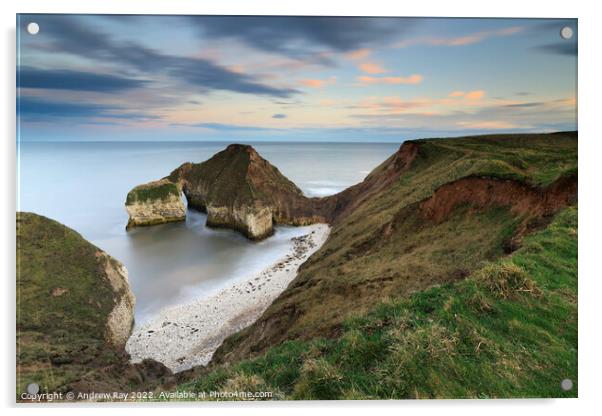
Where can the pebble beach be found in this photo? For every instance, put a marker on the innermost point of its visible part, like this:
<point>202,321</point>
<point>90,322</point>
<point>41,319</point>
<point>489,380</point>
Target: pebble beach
<point>185,336</point>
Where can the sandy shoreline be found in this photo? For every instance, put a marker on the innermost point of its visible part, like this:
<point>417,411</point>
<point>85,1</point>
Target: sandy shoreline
<point>187,335</point>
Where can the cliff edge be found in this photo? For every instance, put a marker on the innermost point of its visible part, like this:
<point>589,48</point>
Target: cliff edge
<point>75,312</point>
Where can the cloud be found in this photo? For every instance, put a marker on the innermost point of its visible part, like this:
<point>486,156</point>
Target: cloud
<point>470,95</point>
<point>312,83</point>
<point>222,127</point>
<point>550,29</point>
<point>488,125</point>
<point>63,79</point>
<point>67,34</point>
<point>566,48</point>
<point>358,54</point>
<point>552,115</point>
<point>412,79</point>
<point>317,83</point>
<point>389,105</point>
<point>279,115</point>
<point>372,68</point>
<point>460,40</point>
<point>33,107</point>
<point>525,105</point>
<point>397,104</point>
<point>474,95</point>
<point>36,109</point>
<point>297,37</point>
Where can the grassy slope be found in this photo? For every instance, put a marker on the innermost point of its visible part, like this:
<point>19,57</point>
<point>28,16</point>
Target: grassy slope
<point>57,336</point>
<point>152,192</point>
<point>356,268</point>
<point>63,300</point>
<point>508,330</point>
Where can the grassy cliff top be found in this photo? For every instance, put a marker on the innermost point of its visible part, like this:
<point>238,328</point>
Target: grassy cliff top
<point>61,281</point>
<point>63,300</point>
<point>158,190</point>
<point>509,330</point>
<point>537,159</point>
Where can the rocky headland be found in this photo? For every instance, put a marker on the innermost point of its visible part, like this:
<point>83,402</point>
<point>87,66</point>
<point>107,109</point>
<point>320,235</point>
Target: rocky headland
<point>75,313</point>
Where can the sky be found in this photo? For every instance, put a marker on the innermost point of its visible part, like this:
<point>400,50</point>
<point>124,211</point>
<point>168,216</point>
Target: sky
<point>248,78</point>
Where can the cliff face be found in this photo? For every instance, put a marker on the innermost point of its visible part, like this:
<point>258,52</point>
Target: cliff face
<point>153,203</point>
<point>75,312</point>
<point>120,320</point>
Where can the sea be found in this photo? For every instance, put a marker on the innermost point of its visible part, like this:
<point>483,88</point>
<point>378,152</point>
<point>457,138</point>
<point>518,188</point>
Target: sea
<point>84,185</point>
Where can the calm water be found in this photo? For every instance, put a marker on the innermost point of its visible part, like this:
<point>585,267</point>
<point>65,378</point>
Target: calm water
<point>83,185</point>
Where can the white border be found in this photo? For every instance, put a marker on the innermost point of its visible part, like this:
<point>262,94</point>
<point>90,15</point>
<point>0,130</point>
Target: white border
<point>590,151</point>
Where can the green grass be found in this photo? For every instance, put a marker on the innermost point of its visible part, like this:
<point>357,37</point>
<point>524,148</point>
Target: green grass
<point>538,159</point>
<point>507,330</point>
<point>67,329</point>
<point>151,192</point>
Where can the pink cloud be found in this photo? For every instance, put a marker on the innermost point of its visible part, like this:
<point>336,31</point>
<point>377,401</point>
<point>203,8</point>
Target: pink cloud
<point>317,83</point>
<point>461,40</point>
<point>392,104</point>
<point>475,95</point>
<point>488,124</point>
<point>358,54</point>
<point>372,68</point>
<point>412,79</point>
<point>470,95</point>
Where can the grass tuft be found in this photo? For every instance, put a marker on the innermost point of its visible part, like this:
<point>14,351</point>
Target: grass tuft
<point>505,280</point>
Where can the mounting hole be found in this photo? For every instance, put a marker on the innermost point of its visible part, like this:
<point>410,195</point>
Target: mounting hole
<point>566,32</point>
<point>33,28</point>
<point>33,388</point>
<point>566,384</point>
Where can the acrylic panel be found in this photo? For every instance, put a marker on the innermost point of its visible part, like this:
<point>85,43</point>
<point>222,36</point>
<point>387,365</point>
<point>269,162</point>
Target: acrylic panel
<point>295,208</point>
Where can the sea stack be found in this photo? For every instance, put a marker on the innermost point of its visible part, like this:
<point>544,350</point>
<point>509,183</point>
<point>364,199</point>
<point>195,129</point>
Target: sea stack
<point>240,190</point>
<point>153,203</point>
